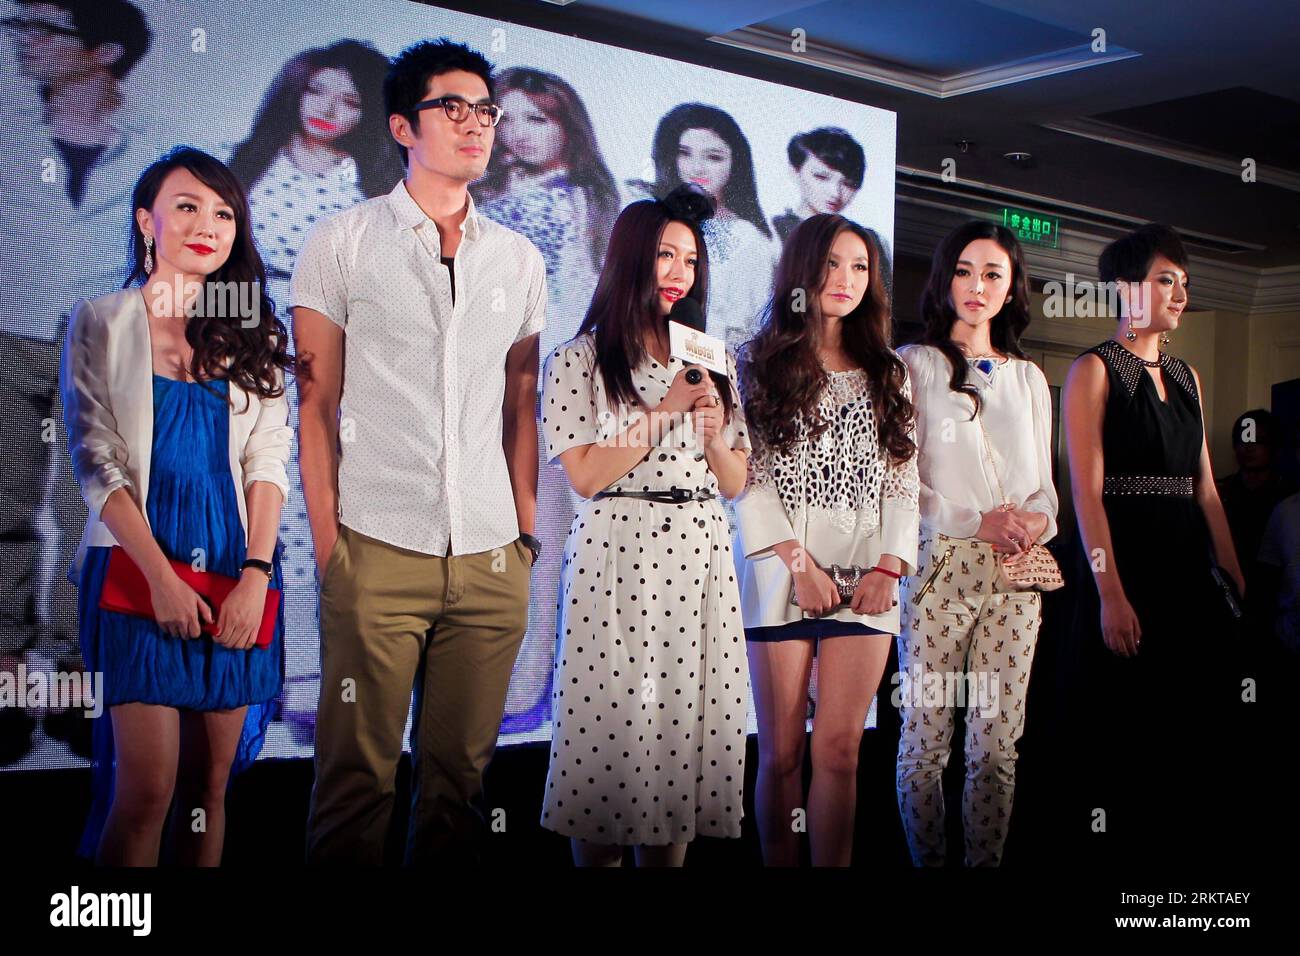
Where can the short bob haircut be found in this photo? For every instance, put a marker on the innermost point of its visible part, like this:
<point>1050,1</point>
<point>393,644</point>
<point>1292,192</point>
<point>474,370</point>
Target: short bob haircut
<point>1129,258</point>
<point>834,147</point>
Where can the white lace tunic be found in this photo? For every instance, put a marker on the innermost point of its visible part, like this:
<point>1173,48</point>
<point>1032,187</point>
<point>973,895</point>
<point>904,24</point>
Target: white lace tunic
<point>839,495</point>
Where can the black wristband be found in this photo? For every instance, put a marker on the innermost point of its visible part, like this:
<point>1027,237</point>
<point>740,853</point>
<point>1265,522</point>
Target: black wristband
<point>264,566</point>
<point>532,544</point>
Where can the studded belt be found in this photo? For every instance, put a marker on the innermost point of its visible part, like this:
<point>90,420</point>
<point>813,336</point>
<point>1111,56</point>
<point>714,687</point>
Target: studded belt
<point>1173,486</point>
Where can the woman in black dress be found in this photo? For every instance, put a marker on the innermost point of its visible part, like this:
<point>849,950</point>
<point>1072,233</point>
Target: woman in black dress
<point>1154,638</point>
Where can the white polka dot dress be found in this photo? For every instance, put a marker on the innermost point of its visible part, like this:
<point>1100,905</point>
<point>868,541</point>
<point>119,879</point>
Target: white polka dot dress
<point>651,680</point>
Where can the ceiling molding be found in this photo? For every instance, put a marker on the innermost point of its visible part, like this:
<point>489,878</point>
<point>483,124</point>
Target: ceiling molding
<point>769,42</point>
<point>921,222</point>
<point>1113,135</point>
<point>912,178</point>
<point>1278,290</point>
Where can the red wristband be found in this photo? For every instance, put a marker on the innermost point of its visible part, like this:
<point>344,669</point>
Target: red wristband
<point>893,574</point>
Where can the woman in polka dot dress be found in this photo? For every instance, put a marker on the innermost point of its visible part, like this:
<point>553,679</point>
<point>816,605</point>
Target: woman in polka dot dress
<point>651,681</point>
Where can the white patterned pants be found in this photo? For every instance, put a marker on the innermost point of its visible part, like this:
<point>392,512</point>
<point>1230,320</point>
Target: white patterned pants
<point>961,644</point>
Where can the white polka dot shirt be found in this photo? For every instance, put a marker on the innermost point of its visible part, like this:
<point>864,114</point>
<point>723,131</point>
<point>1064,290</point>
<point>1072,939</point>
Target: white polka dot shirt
<point>421,464</point>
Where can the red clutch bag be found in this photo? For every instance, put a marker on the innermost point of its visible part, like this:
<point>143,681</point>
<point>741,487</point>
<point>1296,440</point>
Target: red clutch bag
<point>126,591</point>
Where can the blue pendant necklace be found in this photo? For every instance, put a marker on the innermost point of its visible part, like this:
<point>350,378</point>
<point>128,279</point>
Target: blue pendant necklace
<point>986,364</point>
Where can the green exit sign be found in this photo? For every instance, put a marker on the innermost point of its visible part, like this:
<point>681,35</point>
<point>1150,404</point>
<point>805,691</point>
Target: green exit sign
<point>1032,228</point>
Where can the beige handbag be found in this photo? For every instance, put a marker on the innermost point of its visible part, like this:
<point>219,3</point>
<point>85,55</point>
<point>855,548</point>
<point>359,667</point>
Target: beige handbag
<point>1033,569</point>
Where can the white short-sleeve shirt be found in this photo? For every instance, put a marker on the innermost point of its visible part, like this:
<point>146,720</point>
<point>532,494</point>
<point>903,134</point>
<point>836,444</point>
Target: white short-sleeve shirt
<point>421,464</point>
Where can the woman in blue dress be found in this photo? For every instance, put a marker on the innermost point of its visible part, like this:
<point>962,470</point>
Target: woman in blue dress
<point>174,398</point>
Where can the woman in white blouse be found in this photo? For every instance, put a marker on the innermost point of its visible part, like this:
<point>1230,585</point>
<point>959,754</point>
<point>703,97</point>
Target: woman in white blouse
<point>984,425</point>
<point>832,481</point>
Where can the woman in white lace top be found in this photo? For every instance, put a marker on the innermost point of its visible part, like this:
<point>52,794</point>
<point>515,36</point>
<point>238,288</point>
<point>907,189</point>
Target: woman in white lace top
<point>832,481</point>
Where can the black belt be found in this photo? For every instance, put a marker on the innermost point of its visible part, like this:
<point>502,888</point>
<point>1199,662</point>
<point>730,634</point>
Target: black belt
<point>673,496</point>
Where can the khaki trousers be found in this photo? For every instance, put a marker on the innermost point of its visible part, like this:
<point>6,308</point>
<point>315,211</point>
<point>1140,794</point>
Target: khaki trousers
<point>394,620</point>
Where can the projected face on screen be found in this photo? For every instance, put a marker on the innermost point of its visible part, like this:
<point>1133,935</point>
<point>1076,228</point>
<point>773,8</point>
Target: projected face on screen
<point>704,158</point>
<point>292,99</point>
<point>828,165</point>
<point>823,189</point>
<point>330,107</point>
<point>91,45</point>
<point>534,139</point>
<point>49,45</point>
<point>322,115</point>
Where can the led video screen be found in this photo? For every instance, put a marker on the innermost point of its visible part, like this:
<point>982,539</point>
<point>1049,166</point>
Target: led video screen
<point>288,93</point>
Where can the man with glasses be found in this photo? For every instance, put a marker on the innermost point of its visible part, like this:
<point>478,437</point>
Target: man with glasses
<point>69,154</point>
<point>419,321</point>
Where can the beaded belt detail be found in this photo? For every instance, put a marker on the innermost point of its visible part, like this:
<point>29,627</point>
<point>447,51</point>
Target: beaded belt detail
<point>1176,486</point>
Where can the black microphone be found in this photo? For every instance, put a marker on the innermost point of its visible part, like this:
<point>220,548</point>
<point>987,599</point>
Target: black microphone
<point>687,312</point>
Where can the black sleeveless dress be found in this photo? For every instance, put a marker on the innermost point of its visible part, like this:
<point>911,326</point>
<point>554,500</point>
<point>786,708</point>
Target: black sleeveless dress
<point>1155,730</point>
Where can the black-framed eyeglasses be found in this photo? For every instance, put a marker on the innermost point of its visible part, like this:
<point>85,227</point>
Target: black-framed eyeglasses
<point>457,109</point>
<point>23,25</point>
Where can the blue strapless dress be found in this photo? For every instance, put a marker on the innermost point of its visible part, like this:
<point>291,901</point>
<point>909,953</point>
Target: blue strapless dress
<point>192,507</point>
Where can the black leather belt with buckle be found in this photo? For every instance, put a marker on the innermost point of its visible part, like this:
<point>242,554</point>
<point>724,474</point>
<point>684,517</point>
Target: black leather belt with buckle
<point>671,496</point>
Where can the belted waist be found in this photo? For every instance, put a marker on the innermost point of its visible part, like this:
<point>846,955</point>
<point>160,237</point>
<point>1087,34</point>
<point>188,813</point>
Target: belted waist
<point>669,496</point>
<point>1178,486</point>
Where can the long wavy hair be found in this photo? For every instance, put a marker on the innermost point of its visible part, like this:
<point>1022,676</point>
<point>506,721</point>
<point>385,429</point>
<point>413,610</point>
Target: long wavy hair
<point>368,143</point>
<point>740,194</point>
<point>223,346</point>
<point>782,377</point>
<point>937,312</point>
<point>623,307</point>
<point>586,169</point>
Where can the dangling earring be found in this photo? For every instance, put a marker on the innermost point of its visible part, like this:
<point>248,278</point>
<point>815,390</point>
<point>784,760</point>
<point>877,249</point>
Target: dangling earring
<point>1164,340</point>
<point>148,255</point>
<point>1130,334</point>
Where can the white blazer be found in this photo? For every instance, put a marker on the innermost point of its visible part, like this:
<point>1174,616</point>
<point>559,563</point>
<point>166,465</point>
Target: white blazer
<point>106,380</point>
